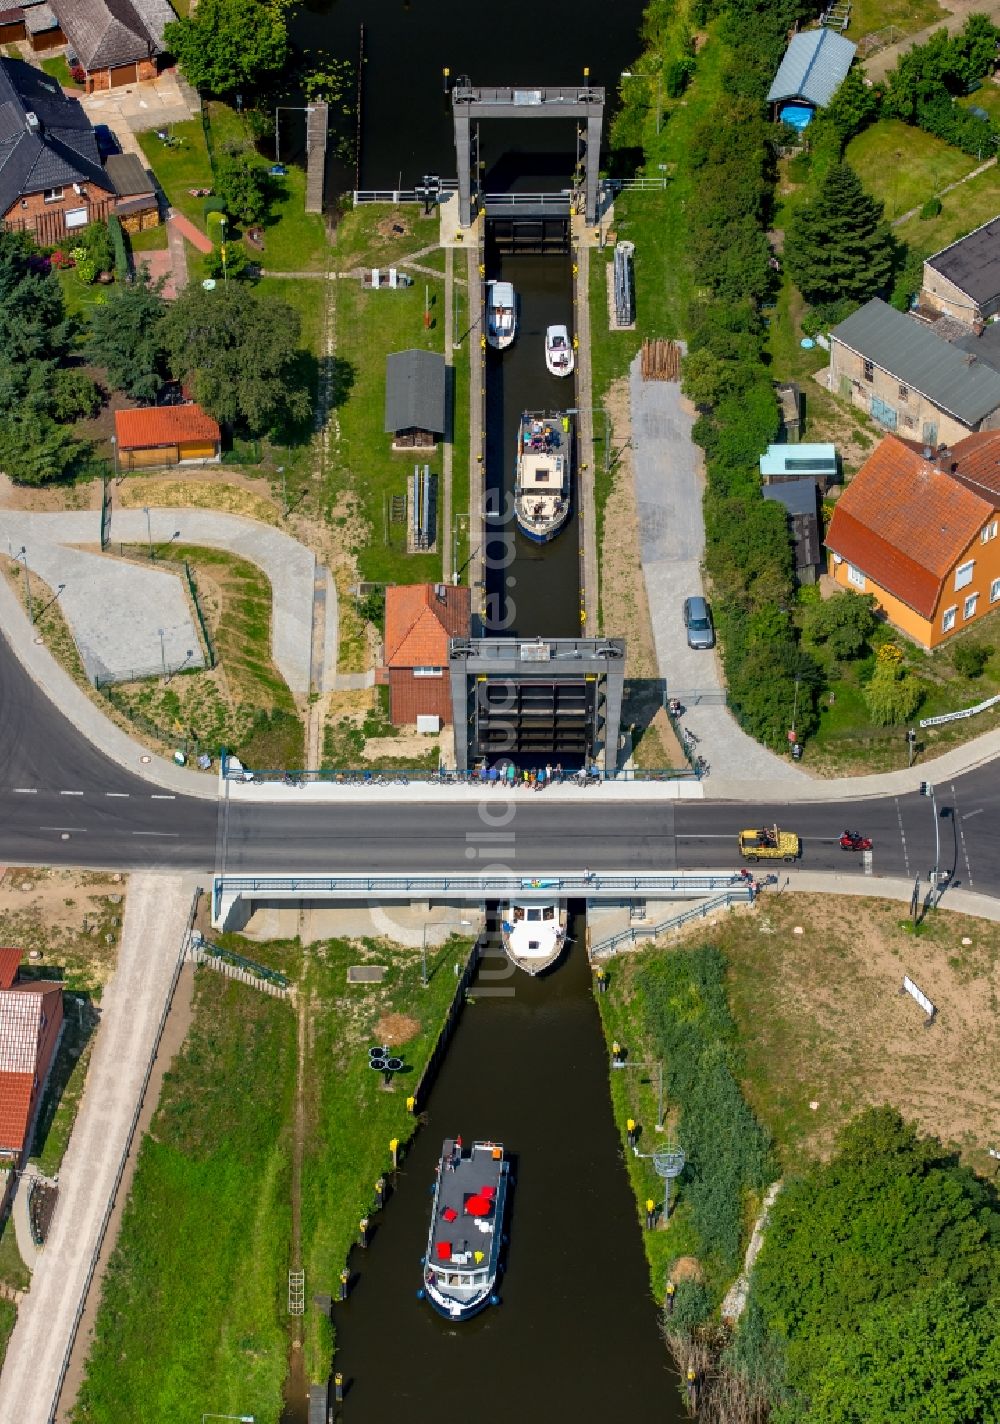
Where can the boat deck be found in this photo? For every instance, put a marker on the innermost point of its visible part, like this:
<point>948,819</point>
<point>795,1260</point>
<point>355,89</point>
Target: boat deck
<point>464,1236</point>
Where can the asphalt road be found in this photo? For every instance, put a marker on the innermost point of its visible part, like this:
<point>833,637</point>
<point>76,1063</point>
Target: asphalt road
<point>62,802</point>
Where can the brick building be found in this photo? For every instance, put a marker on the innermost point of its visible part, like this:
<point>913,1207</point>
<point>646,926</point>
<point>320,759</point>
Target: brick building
<point>963,279</point>
<point>51,179</point>
<point>115,41</point>
<point>31,1015</point>
<point>910,379</point>
<point>922,535</point>
<point>419,621</point>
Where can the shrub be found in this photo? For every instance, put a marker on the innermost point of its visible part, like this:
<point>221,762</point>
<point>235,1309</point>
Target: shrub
<point>969,659</point>
<point>692,1305</point>
<point>892,695</point>
<point>931,208</point>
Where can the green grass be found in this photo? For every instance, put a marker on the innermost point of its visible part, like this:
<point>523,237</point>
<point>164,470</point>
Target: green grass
<point>902,166</point>
<point>13,1271</point>
<point>191,1316</point>
<point>64,1088</point>
<point>352,1117</point>
<point>967,207</point>
<point>181,168</point>
<point>57,67</point>
<point>154,239</point>
<point>8,1319</point>
<point>867,16</point>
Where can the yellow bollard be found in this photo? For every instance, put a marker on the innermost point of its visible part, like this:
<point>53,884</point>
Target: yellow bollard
<point>394,1150</point>
<point>411,1105</point>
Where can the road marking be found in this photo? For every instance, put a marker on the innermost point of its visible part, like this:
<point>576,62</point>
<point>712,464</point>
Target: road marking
<point>62,828</point>
<point>961,833</point>
<point>172,834</point>
<point>26,790</point>
<point>902,836</point>
<point>71,793</point>
<point>969,814</point>
<point>156,797</point>
<point>126,794</point>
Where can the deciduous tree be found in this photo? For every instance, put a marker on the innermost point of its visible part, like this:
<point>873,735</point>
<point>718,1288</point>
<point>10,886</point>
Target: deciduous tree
<point>225,45</point>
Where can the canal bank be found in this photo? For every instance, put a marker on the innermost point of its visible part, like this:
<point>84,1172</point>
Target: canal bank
<point>576,1324</point>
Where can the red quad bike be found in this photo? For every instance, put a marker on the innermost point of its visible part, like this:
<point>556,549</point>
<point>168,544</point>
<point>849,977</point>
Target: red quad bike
<point>852,840</point>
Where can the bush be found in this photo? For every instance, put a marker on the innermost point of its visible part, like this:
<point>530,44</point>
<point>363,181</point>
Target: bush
<point>692,1305</point>
<point>932,208</point>
<point>678,77</point>
<point>969,659</point>
<point>892,695</point>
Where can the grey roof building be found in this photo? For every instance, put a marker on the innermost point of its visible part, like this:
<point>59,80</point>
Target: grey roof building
<point>971,266</point>
<point>109,33</point>
<point>46,139</point>
<point>415,393</point>
<point>953,380</point>
<point>813,68</point>
<point>800,502</point>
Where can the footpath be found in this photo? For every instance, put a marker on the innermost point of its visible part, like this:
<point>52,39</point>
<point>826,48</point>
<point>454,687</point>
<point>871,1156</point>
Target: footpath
<point>156,912</point>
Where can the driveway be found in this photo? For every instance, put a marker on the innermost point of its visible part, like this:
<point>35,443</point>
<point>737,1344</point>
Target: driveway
<point>668,489</point>
<point>156,911</point>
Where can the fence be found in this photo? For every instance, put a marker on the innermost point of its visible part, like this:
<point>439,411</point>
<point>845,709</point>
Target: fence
<point>145,674</point>
<point>186,742</point>
<point>402,776</point>
<point>193,590</point>
<point>611,945</point>
<point>235,966</point>
<point>130,1135</point>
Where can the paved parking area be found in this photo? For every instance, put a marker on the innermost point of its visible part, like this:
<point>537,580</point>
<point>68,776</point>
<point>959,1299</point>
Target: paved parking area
<point>156,912</point>
<point>669,488</point>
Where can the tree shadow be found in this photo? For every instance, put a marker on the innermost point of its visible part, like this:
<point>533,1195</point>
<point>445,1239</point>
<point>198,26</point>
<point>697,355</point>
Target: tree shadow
<point>80,1022</point>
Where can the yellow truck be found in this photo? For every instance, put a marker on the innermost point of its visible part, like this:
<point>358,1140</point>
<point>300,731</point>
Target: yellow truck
<point>769,843</point>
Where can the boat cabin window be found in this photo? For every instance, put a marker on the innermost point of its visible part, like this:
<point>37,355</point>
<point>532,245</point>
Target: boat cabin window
<point>549,913</point>
<point>534,944</point>
<point>534,914</point>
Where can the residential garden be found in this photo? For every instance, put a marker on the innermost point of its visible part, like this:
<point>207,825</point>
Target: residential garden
<point>193,1302</point>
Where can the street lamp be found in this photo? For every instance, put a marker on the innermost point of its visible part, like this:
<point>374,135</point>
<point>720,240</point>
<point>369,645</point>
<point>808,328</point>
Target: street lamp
<point>927,789</point>
<point>225,271</point>
<point>456,522</point>
<point>597,410</point>
<point>658,1065</point>
<point>284,490</point>
<point>180,666</point>
<point>163,653</point>
<point>149,533</point>
<point>630,74</point>
<point>435,924</point>
<point>27,583</point>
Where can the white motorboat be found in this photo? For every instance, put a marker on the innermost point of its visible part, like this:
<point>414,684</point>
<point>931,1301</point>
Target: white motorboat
<point>533,936</point>
<point>559,355</point>
<point>501,314</point>
<point>542,475</point>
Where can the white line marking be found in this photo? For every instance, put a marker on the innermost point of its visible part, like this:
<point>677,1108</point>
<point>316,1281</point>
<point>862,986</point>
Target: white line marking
<point>172,834</point>
<point>26,790</point>
<point>969,814</point>
<point>155,797</point>
<point>126,794</point>
<point>902,837</point>
<point>71,793</point>
<point>961,835</point>
<point>62,828</point>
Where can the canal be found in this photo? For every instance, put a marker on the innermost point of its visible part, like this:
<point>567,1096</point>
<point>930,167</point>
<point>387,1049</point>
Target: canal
<point>576,1334</point>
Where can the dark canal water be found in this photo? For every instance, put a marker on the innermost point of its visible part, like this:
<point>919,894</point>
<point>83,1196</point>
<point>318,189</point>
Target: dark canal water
<point>575,1336</point>
<point>406,123</point>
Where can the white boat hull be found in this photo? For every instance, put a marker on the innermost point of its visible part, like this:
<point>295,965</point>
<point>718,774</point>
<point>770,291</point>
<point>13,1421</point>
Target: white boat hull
<point>533,946</point>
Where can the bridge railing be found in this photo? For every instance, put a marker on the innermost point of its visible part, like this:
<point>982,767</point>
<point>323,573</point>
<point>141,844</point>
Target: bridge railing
<point>741,895</point>
<point>403,776</point>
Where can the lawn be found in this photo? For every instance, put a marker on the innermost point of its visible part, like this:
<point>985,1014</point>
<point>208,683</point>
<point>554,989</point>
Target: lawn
<point>59,70</point>
<point>193,1311</point>
<point>154,239</point>
<point>191,1316</point>
<point>822,1022</point>
<point>370,325</point>
<point>902,166</point>
<point>8,1319</point>
<point>181,167</point>
<point>223,706</point>
<point>867,16</point>
<point>967,207</point>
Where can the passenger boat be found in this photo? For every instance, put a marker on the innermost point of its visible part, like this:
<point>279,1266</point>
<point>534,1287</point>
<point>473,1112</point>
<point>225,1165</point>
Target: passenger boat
<point>542,475</point>
<point>466,1234</point>
<point>501,314</point>
<point>533,936</point>
<point>559,356</point>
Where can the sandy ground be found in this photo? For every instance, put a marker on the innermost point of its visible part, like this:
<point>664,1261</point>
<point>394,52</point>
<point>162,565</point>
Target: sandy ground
<point>825,1021</point>
<point>624,606</point>
<point>62,920</point>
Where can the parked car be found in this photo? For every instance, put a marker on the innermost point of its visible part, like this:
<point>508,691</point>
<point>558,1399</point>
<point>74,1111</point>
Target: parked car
<point>107,143</point>
<point>698,623</point>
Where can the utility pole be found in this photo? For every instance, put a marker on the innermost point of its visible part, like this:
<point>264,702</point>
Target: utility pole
<point>927,789</point>
<point>27,585</point>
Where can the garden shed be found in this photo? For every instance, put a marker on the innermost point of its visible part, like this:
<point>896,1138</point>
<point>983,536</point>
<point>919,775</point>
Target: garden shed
<point>415,398</point>
<point>814,66</point>
<point>165,435</point>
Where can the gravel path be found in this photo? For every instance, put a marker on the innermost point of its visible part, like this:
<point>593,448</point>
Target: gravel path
<point>156,912</point>
<point>288,564</point>
<point>668,490</point>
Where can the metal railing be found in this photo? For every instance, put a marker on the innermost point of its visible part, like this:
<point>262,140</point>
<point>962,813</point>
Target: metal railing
<point>742,895</point>
<point>112,1197</point>
<point>202,951</point>
<point>403,776</point>
<point>143,674</point>
<point>529,97</point>
<point>404,195</point>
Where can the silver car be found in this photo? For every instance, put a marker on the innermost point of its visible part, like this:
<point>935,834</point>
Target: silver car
<point>698,623</point>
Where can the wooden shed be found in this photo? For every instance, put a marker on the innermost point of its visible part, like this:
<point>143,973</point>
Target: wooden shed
<point>166,435</point>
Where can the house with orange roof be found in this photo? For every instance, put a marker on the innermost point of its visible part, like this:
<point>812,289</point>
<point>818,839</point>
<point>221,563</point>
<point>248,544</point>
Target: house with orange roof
<point>420,620</point>
<point>919,530</point>
<point>165,435</point>
<point>31,1017</point>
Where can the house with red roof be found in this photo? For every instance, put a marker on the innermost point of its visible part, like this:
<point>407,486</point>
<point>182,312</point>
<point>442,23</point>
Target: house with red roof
<point>420,621</point>
<point>31,1016</point>
<point>919,529</point>
<point>165,435</point>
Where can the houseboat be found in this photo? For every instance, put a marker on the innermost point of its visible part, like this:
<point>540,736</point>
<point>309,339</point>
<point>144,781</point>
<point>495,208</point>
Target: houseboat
<point>466,1232</point>
<point>501,314</point>
<point>559,355</point>
<point>533,936</point>
<point>542,475</point>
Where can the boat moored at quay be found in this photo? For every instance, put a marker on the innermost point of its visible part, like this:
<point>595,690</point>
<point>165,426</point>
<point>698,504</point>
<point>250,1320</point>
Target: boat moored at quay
<point>542,475</point>
<point>466,1230</point>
